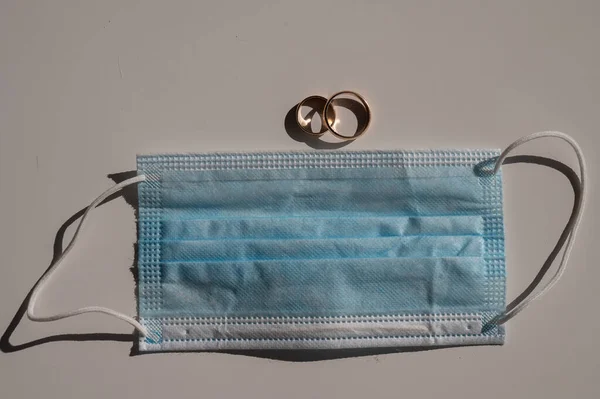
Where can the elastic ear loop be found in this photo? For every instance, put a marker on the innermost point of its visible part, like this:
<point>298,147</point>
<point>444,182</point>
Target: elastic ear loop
<point>48,275</point>
<point>570,229</point>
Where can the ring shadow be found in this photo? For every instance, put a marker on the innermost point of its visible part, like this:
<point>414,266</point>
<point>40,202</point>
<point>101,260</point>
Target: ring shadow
<point>297,134</point>
<point>130,195</point>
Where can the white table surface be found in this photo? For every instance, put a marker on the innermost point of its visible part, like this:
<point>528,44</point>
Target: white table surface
<point>86,85</point>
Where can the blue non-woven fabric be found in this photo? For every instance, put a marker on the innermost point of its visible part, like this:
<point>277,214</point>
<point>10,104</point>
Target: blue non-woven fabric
<point>398,236</point>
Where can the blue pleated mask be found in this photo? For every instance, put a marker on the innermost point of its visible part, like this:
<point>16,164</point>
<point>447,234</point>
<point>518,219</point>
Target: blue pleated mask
<point>321,250</point>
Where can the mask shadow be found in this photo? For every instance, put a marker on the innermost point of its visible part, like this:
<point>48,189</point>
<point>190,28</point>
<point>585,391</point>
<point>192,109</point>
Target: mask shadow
<point>573,178</point>
<point>130,196</point>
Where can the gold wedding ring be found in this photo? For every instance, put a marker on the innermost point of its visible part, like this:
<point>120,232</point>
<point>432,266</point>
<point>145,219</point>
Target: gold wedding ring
<point>318,105</point>
<point>360,130</point>
<point>325,109</point>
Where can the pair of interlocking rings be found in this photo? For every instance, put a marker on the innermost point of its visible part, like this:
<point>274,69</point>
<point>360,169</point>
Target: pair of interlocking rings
<point>328,117</point>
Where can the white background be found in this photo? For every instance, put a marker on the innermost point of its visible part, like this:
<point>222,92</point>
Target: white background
<point>86,85</point>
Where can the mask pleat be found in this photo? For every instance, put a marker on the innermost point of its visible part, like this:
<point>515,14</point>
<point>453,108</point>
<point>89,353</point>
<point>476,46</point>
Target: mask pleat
<point>291,193</point>
<point>330,248</point>
<point>314,287</point>
<point>319,227</point>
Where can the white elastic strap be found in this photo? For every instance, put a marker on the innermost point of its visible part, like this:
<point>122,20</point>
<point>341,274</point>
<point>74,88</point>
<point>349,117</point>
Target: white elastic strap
<point>48,275</point>
<point>571,230</point>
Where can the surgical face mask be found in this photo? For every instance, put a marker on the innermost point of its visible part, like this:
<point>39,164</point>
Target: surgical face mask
<point>321,250</point>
